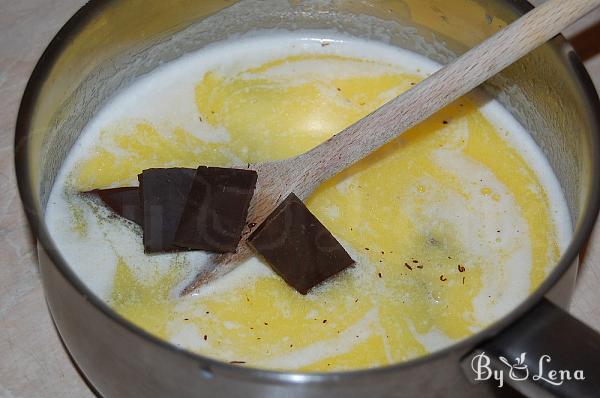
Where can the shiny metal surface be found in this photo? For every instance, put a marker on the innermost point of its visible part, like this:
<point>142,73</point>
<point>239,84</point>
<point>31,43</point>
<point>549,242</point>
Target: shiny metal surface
<point>110,43</point>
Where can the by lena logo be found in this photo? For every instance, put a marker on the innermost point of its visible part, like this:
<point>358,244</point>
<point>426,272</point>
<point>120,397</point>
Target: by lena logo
<point>518,367</point>
<point>519,370</point>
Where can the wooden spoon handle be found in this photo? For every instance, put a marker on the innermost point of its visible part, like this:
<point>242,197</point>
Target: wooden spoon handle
<point>448,84</point>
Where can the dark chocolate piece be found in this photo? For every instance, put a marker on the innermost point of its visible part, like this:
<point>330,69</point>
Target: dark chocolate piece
<point>298,247</point>
<point>123,201</point>
<point>216,209</point>
<point>163,194</point>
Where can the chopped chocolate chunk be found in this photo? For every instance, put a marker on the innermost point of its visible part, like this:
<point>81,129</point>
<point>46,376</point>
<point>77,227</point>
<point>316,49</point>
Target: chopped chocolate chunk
<point>215,213</point>
<point>298,247</point>
<point>125,202</point>
<point>163,194</point>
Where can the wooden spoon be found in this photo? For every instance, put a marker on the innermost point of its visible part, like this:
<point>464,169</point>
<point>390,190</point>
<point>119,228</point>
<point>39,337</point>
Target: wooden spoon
<point>304,173</point>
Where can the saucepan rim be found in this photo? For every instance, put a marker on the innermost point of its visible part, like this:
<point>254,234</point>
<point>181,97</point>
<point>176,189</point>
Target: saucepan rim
<point>22,162</point>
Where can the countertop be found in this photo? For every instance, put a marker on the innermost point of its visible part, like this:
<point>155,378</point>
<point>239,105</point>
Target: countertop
<point>33,363</point>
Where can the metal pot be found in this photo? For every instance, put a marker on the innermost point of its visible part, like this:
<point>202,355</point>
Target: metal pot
<point>109,43</point>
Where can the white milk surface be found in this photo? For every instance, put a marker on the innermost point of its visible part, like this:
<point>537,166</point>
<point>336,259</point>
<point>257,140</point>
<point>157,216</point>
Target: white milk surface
<point>166,98</point>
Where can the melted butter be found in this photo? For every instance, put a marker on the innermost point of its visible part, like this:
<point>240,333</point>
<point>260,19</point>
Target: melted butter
<point>140,147</point>
<point>403,212</point>
<point>146,301</point>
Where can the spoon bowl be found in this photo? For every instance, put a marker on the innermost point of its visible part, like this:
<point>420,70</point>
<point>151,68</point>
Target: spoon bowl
<point>303,174</point>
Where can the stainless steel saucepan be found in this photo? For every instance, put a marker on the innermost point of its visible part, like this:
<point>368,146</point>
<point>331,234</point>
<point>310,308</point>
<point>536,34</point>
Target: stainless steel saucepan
<point>109,43</point>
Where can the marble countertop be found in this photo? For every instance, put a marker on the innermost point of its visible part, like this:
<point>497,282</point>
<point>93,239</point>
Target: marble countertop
<point>33,363</point>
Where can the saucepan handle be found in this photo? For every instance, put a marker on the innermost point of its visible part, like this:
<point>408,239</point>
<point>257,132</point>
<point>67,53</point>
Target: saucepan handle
<point>547,353</point>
